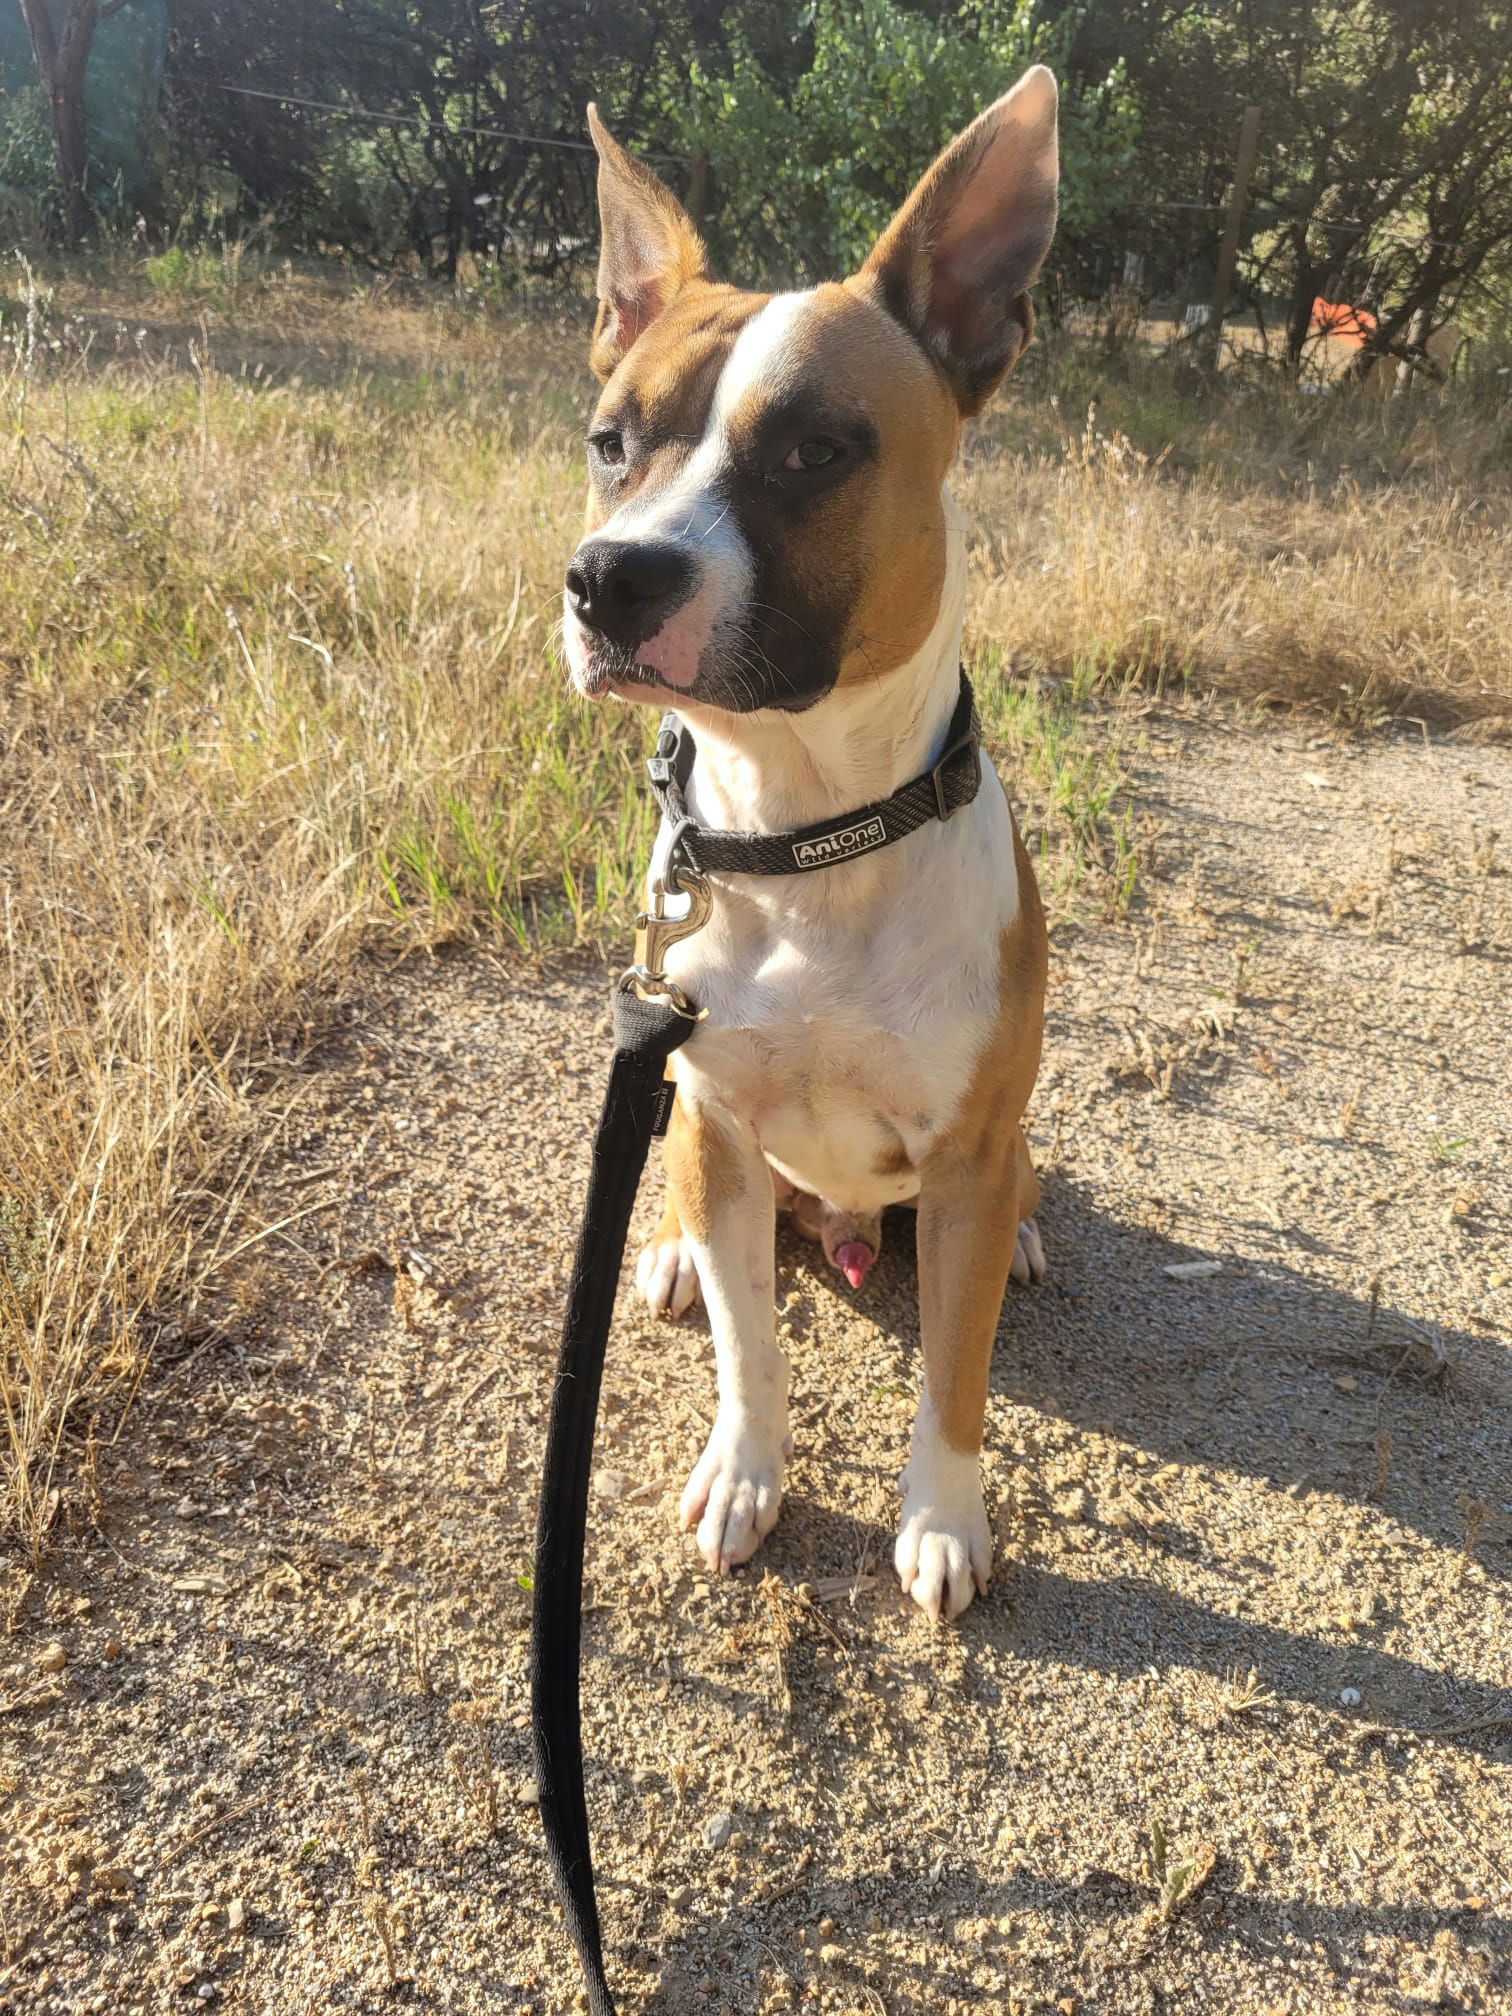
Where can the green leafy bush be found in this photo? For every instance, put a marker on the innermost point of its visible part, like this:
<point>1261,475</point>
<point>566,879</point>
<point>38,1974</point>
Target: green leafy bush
<point>26,154</point>
<point>170,272</point>
<point>803,178</point>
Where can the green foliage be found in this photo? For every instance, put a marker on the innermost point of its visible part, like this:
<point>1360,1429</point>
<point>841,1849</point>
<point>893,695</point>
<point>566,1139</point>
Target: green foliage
<point>24,1235</point>
<point>1075,793</point>
<point>171,272</point>
<point>1384,170</point>
<point>26,153</point>
<point>1383,176</point>
<point>808,170</point>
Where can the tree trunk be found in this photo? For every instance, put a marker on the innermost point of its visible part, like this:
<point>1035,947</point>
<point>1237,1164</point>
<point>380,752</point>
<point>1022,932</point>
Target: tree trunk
<point>60,67</point>
<point>1417,337</point>
<point>1299,314</point>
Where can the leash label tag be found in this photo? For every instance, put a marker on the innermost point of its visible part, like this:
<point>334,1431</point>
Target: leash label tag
<point>666,1099</point>
<point>840,845</point>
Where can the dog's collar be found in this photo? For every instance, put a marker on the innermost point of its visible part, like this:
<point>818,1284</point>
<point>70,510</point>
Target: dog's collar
<point>936,793</point>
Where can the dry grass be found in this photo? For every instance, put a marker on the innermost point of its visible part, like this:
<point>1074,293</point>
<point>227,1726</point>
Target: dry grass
<point>1379,586</point>
<point>279,568</point>
<point>274,675</point>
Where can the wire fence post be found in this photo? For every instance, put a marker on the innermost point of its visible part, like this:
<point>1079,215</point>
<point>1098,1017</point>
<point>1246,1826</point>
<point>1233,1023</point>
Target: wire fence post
<point>1244,167</point>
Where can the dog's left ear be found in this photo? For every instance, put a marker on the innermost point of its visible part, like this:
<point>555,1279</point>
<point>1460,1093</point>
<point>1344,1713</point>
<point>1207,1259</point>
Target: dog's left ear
<point>648,249</point>
<point>956,263</point>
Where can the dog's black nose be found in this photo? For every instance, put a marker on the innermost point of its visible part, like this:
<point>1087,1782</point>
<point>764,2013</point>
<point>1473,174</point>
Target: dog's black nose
<point>627,588</point>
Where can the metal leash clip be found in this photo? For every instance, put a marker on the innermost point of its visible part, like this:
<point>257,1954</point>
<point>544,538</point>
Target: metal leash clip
<point>657,930</point>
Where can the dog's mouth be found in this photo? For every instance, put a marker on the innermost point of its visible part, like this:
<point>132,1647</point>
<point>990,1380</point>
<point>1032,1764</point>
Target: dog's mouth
<point>735,675</point>
<point>611,671</point>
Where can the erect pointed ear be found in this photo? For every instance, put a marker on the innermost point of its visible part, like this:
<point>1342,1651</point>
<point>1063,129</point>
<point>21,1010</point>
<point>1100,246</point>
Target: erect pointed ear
<point>648,249</point>
<point>955,264</point>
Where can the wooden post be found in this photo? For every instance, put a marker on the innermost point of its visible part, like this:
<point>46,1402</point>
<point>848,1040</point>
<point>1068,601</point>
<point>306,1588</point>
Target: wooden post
<point>1244,167</point>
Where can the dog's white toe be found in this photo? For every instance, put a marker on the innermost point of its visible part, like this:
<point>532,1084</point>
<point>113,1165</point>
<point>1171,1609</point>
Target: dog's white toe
<point>734,1494</point>
<point>944,1550</point>
<point>666,1277</point>
<point>1028,1255</point>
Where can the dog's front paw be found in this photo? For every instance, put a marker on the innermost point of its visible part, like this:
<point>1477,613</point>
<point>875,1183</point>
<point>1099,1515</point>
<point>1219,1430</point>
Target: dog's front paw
<point>734,1493</point>
<point>944,1550</point>
<point>666,1276</point>
<point>1028,1255</point>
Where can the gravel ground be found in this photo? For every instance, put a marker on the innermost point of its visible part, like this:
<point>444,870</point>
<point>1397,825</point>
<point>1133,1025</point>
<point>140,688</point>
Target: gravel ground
<point>1233,1726</point>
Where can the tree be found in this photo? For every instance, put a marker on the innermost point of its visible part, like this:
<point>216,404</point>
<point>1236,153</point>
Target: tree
<point>811,158</point>
<point>1385,167</point>
<point>62,62</point>
<point>468,117</point>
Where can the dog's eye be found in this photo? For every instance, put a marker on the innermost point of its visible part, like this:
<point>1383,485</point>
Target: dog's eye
<point>812,455</point>
<point>609,447</point>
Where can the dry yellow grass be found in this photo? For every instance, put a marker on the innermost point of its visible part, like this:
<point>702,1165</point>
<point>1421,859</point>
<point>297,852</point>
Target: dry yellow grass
<point>279,571</point>
<point>1370,602</point>
<point>274,676</point>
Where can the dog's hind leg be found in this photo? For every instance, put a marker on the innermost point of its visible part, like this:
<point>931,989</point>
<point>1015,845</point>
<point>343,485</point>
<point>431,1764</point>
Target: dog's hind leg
<point>1028,1253</point>
<point>665,1273</point>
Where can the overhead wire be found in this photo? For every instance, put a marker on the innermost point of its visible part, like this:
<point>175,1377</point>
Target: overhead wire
<point>361,112</point>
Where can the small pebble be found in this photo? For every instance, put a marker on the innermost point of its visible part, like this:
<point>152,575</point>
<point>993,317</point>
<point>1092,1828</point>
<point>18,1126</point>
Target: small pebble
<point>529,1793</point>
<point>112,1650</point>
<point>236,1915</point>
<point>52,1658</point>
<point>1350,1697</point>
<point>717,1829</point>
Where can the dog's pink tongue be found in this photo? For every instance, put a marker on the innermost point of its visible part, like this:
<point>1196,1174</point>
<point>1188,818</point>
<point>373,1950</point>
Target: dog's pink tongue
<point>853,1259</point>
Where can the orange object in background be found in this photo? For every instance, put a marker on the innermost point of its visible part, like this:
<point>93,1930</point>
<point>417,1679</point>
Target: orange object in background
<point>1343,323</point>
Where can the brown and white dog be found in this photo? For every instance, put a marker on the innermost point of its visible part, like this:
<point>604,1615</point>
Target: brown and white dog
<point>773,552</point>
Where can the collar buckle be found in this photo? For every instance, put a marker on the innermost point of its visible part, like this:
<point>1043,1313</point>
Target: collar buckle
<point>971,740</point>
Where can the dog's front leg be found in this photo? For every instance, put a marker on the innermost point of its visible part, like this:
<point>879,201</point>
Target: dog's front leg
<point>968,1226</point>
<point>722,1187</point>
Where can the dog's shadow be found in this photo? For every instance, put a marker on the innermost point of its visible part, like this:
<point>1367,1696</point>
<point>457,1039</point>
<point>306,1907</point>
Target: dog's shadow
<point>1331,1403</point>
<point>1254,1368</point>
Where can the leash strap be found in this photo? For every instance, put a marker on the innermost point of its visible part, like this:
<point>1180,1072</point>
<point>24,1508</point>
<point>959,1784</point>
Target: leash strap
<point>935,794</point>
<point>646,1032</point>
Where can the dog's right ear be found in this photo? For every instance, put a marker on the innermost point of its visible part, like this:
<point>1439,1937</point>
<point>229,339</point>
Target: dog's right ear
<point>648,249</point>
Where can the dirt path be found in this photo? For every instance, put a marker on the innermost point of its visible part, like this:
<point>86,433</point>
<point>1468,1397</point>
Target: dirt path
<point>291,1726</point>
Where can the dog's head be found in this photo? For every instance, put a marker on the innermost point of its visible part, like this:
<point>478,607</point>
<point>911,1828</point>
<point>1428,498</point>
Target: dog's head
<point>765,519</point>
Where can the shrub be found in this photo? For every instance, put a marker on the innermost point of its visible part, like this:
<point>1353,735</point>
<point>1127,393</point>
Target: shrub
<point>805,180</point>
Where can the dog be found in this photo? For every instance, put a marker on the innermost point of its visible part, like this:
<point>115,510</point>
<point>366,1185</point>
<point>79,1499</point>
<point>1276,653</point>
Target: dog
<point>772,552</point>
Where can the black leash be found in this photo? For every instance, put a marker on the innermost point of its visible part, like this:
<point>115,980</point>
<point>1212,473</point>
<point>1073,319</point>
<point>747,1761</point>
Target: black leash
<point>652,1018</point>
<point>645,1035</point>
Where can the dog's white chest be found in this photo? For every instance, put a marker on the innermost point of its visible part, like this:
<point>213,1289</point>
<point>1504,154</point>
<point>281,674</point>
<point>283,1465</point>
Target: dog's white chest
<point>842,1024</point>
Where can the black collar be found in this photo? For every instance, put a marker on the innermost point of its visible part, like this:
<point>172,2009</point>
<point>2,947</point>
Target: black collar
<point>935,794</point>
